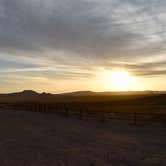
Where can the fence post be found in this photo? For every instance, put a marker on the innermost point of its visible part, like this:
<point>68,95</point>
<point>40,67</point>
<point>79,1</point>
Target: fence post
<point>135,118</point>
<point>66,112</point>
<point>81,114</point>
<point>102,116</point>
<point>38,107</point>
<point>46,108</point>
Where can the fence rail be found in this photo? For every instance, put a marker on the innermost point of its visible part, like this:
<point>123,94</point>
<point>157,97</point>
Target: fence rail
<point>83,112</point>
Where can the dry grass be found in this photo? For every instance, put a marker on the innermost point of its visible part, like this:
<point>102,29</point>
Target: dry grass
<point>36,139</point>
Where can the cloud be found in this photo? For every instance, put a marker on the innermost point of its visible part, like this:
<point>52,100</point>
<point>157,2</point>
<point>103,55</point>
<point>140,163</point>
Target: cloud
<point>83,33</point>
<point>74,26</point>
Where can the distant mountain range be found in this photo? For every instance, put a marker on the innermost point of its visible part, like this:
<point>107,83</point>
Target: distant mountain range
<point>32,93</point>
<point>82,93</point>
<point>83,96</point>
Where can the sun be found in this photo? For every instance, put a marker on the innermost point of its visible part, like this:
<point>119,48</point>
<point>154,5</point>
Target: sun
<point>119,80</point>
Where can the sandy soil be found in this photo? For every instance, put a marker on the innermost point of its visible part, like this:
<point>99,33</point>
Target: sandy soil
<point>36,139</point>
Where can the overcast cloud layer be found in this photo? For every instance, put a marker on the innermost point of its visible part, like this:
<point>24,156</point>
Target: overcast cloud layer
<point>72,38</point>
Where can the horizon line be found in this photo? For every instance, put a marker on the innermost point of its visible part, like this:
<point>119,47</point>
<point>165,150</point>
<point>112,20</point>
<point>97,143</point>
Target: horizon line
<point>110,91</point>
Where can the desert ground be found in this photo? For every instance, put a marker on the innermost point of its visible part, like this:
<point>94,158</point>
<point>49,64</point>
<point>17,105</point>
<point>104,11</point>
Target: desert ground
<point>40,139</point>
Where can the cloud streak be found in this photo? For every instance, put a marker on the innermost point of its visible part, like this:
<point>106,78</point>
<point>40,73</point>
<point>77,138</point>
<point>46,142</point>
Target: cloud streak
<point>82,36</point>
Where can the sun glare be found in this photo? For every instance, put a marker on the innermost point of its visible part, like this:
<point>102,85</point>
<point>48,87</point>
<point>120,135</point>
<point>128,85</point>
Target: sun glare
<point>119,80</point>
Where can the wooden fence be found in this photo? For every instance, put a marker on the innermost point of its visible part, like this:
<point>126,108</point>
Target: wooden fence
<point>84,113</point>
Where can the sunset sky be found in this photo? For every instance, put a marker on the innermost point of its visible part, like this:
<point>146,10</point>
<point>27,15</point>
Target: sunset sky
<point>70,45</point>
